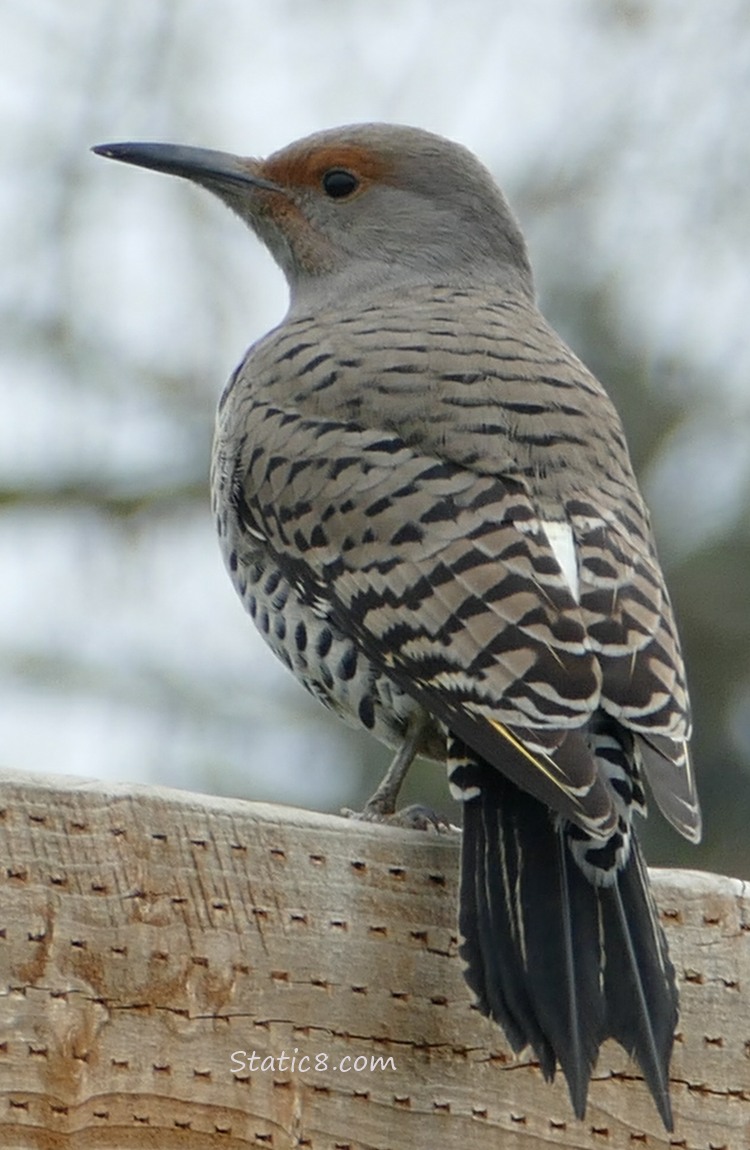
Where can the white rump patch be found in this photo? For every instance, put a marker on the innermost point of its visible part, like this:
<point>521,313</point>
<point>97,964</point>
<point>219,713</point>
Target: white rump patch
<point>560,536</point>
<point>463,794</point>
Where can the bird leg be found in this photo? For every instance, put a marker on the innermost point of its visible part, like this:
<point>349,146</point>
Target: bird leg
<point>383,802</point>
<point>381,806</point>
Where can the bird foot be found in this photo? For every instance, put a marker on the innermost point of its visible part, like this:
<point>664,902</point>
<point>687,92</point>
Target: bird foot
<point>415,817</point>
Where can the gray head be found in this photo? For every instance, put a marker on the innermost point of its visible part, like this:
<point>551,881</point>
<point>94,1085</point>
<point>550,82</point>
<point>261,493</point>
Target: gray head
<point>354,208</point>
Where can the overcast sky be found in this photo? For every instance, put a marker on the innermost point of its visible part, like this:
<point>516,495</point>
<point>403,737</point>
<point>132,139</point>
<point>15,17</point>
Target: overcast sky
<point>126,299</point>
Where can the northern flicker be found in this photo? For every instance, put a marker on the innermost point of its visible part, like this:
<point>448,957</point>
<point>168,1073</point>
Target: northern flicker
<point>425,502</point>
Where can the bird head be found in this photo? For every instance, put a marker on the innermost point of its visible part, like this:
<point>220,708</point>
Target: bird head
<point>356,208</point>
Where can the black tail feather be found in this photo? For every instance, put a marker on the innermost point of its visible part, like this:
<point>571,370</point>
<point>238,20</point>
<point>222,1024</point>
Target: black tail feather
<point>560,963</point>
<point>505,993</point>
<point>639,983</point>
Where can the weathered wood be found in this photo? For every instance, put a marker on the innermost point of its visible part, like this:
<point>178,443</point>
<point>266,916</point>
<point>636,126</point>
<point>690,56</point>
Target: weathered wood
<point>148,935</point>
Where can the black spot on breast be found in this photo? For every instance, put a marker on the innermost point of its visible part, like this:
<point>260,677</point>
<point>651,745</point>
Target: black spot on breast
<point>272,582</point>
<point>366,712</point>
<point>347,664</point>
<point>323,645</point>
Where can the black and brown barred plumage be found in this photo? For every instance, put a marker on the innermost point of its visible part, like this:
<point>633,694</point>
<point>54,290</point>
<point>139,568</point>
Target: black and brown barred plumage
<point>426,503</point>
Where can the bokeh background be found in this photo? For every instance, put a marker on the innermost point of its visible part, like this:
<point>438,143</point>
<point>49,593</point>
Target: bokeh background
<point>619,130</point>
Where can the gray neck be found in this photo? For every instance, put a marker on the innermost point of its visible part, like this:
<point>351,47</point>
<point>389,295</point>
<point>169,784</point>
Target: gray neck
<point>311,294</point>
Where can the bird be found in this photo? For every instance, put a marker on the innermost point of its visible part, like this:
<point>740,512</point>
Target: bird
<point>426,503</point>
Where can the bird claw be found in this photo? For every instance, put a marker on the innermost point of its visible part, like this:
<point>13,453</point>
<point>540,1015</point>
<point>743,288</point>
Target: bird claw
<point>414,817</point>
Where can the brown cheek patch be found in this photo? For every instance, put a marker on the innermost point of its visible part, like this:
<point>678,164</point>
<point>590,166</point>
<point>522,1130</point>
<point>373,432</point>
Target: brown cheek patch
<point>312,252</point>
<point>305,167</point>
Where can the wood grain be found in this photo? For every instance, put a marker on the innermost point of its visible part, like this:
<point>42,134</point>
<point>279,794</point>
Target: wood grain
<point>147,936</point>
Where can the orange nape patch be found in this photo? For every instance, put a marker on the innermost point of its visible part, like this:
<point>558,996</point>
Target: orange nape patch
<point>304,167</point>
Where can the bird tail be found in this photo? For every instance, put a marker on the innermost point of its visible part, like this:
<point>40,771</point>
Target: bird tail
<point>559,962</point>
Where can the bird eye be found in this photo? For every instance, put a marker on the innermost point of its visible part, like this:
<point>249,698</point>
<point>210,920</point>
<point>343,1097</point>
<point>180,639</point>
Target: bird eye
<point>338,183</point>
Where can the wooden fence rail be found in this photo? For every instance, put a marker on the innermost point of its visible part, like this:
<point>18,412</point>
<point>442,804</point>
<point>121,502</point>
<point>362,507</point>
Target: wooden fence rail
<point>184,971</point>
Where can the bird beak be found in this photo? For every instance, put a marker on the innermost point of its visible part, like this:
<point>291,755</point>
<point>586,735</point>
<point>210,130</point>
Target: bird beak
<point>217,171</point>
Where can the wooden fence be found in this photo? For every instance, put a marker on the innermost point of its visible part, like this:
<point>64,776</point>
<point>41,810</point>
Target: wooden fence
<point>184,971</point>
